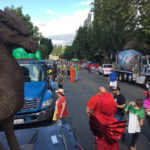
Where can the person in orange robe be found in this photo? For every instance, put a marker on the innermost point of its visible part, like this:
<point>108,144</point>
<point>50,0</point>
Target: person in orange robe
<point>72,74</point>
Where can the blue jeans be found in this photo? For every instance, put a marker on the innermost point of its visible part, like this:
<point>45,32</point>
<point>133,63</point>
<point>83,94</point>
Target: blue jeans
<point>120,118</point>
<point>62,120</point>
<point>76,78</point>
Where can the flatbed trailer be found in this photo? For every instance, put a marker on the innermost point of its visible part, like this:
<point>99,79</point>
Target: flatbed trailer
<point>56,137</point>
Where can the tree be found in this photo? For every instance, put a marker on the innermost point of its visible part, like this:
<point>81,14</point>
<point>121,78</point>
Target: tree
<point>45,47</point>
<point>35,34</point>
<point>67,53</point>
<point>116,20</point>
<point>58,50</point>
<point>43,44</point>
<point>114,24</point>
<point>143,28</point>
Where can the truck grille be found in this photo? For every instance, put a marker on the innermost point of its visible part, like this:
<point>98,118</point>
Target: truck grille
<point>31,104</point>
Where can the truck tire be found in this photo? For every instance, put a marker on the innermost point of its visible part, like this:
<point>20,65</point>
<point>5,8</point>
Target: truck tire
<point>147,83</point>
<point>120,77</point>
<point>130,78</point>
<point>50,119</point>
<point>125,76</point>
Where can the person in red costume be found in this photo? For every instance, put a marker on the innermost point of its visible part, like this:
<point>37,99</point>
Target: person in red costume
<point>102,122</point>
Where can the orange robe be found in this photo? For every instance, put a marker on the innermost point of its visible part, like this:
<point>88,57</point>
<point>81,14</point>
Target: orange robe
<point>72,74</point>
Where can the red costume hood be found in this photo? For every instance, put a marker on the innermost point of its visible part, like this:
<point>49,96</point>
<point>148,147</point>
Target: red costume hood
<point>107,109</point>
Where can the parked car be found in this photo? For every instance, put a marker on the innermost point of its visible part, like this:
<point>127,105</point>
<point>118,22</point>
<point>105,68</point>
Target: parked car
<point>105,69</point>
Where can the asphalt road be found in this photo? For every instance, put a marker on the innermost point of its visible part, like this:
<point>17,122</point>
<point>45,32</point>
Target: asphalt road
<point>78,95</point>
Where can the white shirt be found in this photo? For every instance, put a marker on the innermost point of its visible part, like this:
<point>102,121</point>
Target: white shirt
<point>133,125</point>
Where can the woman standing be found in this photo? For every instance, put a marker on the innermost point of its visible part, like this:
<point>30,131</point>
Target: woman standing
<point>61,106</point>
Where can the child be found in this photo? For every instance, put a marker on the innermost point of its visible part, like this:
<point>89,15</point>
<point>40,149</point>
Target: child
<point>136,116</point>
<point>60,81</point>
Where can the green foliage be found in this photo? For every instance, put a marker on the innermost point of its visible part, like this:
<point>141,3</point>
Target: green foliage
<point>144,21</point>
<point>43,44</point>
<point>45,47</point>
<point>68,54</point>
<point>58,50</point>
<point>115,23</point>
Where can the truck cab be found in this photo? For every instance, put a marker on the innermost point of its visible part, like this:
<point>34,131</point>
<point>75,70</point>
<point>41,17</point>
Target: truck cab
<point>38,102</point>
<point>145,65</point>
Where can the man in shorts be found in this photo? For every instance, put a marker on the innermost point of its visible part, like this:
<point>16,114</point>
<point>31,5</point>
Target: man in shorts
<point>113,79</point>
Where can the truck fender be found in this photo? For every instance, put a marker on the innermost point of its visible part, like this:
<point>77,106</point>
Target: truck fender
<point>47,95</point>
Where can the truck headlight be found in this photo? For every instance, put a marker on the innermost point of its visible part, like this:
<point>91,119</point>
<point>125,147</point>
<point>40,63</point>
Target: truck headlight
<point>47,103</point>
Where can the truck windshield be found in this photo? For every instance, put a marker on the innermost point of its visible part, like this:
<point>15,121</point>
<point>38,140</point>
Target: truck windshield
<point>34,72</point>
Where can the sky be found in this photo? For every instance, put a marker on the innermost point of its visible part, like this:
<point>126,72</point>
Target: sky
<point>56,19</point>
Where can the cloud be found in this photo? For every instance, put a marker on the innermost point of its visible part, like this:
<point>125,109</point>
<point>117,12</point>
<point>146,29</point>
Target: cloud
<point>64,25</point>
<point>85,3</point>
<point>62,39</point>
<point>50,12</point>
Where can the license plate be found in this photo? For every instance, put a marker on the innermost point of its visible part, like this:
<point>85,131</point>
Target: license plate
<point>18,121</point>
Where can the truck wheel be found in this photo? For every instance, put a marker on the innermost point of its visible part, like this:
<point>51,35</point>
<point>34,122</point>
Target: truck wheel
<point>147,83</point>
<point>120,77</point>
<point>130,78</point>
<point>125,77</point>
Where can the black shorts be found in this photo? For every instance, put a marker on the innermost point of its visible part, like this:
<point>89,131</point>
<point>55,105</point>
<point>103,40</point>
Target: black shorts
<point>147,118</point>
<point>60,86</point>
<point>134,138</point>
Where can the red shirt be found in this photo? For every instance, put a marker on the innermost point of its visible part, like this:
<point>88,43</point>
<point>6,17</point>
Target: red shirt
<point>59,108</point>
<point>93,104</point>
<point>91,65</point>
<point>87,66</point>
<point>103,107</point>
<point>107,107</point>
<point>96,66</point>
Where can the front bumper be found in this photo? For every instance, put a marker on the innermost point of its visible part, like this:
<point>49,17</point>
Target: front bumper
<point>33,117</point>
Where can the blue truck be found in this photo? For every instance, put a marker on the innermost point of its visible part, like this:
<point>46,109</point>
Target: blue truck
<point>38,96</point>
